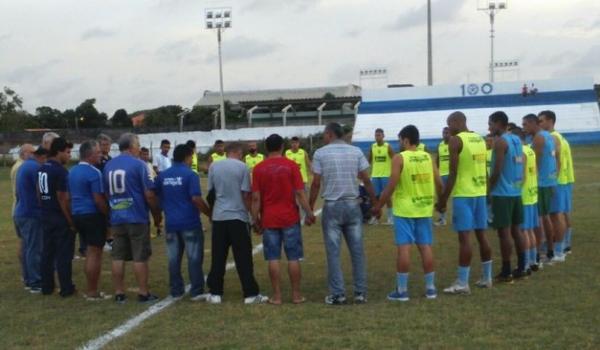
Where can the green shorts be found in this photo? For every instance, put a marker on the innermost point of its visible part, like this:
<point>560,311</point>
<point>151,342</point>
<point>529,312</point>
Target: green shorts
<point>507,211</point>
<point>544,200</point>
<point>131,242</point>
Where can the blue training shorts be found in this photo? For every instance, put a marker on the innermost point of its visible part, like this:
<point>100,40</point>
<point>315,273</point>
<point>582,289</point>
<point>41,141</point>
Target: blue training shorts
<point>469,213</point>
<point>444,180</point>
<point>413,231</point>
<point>561,199</point>
<point>291,240</point>
<point>379,184</point>
<point>531,218</point>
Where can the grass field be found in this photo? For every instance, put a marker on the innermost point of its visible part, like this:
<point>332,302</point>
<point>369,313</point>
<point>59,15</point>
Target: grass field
<point>558,307</point>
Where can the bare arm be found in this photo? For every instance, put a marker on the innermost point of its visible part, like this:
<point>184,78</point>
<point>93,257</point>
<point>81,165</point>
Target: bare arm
<point>366,179</point>
<point>64,201</point>
<point>454,148</point>
<point>370,156</point>
<point>500,147</point>
<point>307,160</point>
<point>437,180</point>
<point>100,201</point>
<point>538,147</point>
<point>557,154</point>
<point>397,166</point>
<point>524,168</point>
<point>315,188</point>
<point>247,198</point>
<point>154,207</point>
<point>256,211</point>
<point>201,204</point>
<point>391,151</point>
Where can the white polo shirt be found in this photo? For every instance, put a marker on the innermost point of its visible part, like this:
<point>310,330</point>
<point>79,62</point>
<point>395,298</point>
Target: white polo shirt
<point>162,162</point>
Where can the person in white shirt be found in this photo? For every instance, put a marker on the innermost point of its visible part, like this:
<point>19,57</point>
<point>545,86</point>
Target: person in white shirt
<point>162,162</point>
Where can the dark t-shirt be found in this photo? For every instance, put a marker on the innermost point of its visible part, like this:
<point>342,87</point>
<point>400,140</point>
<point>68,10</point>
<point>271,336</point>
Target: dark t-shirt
<point>52,178</point>
<point>277,180</point>
<point>103,160</point>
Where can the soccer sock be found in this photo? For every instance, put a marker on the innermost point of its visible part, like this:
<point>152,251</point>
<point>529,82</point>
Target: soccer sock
<point>486,267</point>
<point>521,261</point>
<point>429,280</point>
<point>526,259</point>
<point>550,254</point>
<point>463,275</point>
<point>402,281</point>
<point>568,238</point>
<point>558,248</point>
<point>544,246</point>
<point>443,216</point>
<point>506,268</point>
<point>532,256</point>
<point>390,214</point>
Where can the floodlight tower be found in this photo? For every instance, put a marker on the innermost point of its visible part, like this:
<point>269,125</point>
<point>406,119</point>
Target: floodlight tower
<point>492,7</point>
<point>219,19</point>
<point>429,46</point>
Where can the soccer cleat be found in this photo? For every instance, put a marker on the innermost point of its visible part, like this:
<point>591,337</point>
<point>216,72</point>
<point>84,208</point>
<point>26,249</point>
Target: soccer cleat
<point>534,267</point>
<point>373,221</point>
<point>557,259</point>
<point>214,299</point>
<point>519,274</point>
<point>335,300</point>
<point>567,250</point>
<point>431,293</point>
<point>148,298</point>
<point>35,290</point>
<point>504,278</point>
<point>389,222</point>
<point>440,222</point>
<point>457,288</point>
<point>201,297</point>
<point>360,298</point>
<point>396,295</point>
<point>484,283</point>
<point>257,299</point>
<point>120,298</point>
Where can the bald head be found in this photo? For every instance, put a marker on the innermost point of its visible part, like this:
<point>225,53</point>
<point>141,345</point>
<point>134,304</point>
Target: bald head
<point>457,122</point>
<point>26,151</point>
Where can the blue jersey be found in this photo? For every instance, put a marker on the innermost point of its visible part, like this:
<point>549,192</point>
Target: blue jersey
<point>28,204</point>
<point>175,188</point>
<point>126,180</point>
<point>510,181</point>
<point>52,178</point>
<point>84,181</point>
<point>547,176</point>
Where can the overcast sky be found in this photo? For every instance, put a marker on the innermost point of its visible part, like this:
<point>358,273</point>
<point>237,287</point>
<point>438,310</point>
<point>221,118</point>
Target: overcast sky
<point>139,54</point>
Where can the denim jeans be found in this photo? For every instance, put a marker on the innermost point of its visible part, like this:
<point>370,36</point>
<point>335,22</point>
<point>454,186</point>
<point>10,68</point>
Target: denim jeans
<point>30,232</point>
<point>192,241</point>
<point>344,218</point>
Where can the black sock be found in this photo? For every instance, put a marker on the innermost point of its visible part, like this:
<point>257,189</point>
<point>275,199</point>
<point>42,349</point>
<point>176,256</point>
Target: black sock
<point>521,262</point>
<point>550,254</point>
<point>506,268</point>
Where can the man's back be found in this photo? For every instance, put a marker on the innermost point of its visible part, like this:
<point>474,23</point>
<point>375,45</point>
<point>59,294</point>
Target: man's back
<point>175,187</point>
<point>229,178</point>
<point>25,182</point>
<point>125,181</point>
<point>339,165</point>
<point>52,178</point>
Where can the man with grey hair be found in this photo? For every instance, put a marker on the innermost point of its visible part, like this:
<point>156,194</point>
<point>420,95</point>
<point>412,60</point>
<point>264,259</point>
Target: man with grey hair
<point>105,143</point>
<point>47,139</point>
<point>337,168</point>
<point>89,210</point>
<point>130,195</point>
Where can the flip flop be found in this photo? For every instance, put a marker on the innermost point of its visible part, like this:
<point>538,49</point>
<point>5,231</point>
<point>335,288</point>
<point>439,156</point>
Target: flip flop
<point>272,302</point>
<point>299,301</point>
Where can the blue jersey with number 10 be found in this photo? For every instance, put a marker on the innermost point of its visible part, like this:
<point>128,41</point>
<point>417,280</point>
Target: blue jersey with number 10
<point>125,181</point>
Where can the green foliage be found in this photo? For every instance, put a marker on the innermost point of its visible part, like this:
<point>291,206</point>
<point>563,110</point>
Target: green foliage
<point>201,118</point>
<point>88,115</point>
<point>163,116</point>
<point>120,119</point>
<point>51,118</point>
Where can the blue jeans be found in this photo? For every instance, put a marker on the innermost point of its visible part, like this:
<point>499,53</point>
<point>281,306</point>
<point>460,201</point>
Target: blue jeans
<point>344,218</point>
<point>30,232</point>
<point>193,243</point>
<point>57,254</point>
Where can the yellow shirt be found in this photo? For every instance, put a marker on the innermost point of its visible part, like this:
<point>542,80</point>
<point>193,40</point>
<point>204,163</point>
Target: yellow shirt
<point>382,163</point>
<point>566,174</point>
<point>216,157</point>
<point>194,165</point>
<point>529,194</point>
<point>444,156</point>
<point>471,179</point>
<point>300,159</point>
<point>251,161</point>
<point>414,193</point>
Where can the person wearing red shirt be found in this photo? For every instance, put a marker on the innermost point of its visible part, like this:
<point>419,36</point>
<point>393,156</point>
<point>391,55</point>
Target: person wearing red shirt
<point>277,184</point>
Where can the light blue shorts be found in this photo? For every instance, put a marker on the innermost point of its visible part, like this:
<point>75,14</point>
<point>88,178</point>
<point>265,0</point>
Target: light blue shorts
<point>379,184</point>
<point>413,231</point>
<point>561,199</point>
<point>469,213</point>
<point>531,219</point>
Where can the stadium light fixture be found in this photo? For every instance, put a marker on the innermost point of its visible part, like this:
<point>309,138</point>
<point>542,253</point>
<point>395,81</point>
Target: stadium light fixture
<point>285,110</point>
<point>249,115</point>
<point>429,46</point>
<point>219,19</point>
<point>492,7</point>
<point>320,110</point>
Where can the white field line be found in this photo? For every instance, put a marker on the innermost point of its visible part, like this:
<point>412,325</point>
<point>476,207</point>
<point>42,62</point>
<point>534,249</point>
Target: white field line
<point>134,322</point>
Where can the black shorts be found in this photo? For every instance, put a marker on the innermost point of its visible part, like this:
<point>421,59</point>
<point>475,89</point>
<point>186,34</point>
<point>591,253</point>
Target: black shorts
<point>92,227</point>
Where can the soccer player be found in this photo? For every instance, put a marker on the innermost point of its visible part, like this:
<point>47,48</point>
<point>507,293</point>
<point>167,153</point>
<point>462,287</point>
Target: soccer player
<point>58,229</point>
<point>162,161</point>
<point>337,167</point>
<point>145,157</point>
<point>276,187</point>
<point>467,184</point>
<point>194,166</point>
<point>130,195</point>
<point>300,157</point>
<point>178,189</point>
<point>27,218</point>
<point>562,197</point>
<point>413,183</point>
<point>506,182</point>
<point>548,164</point>
<point>218,154</point>
<point>90,212</point>
<point>230,180</point>
<point>380,158</point>
<point>253,157</point>
<point>105,143</point>
<point>443,164</point>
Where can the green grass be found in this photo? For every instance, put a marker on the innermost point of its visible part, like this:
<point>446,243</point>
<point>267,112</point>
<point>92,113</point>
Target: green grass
<point>556,308</point>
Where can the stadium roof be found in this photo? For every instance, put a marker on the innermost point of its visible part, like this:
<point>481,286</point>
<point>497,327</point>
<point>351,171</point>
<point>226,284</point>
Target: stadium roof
<point>213,98</point>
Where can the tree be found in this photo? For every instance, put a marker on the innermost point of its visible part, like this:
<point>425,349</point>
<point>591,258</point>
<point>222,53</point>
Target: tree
<point>163,116</point>
<point>121,119</point>
<point>10,102</point>
<point>201,117</point>
<point>88,115</point>
<point>12,116</point>
<point>48,117</point>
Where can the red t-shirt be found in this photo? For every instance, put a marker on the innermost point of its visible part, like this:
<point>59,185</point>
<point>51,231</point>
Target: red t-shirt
<point>277,180</point>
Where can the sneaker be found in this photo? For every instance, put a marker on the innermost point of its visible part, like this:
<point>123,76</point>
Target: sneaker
<point>360,298</point>
<point>27,288</point>
<point>35,290</point>
<point>440,222</point>
<point>389,222</point>
<point>502,278</point>
<point>519,274</point>
<point>484,283</point>
<point>534,267</point>
<point>373,221</point>
<point>557,259</point>
<point>214,299</point>
<point>396,295</point>
<point>457,288</point>
<point>98,297</point>
<point>120,298</point>
<point>108,246</point>
<point>335,299</point>
<point>567,250</point>
<point>431,293</point>
<point>148,298</point>
<point>201,297</point>
<point>257,299</point>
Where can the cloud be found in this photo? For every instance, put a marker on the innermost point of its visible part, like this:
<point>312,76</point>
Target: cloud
<point>298,5</point>
<point>240,48</point>
<point>442,11</point>
<point>179,50</point>
<point>97,33</point>
<point>30,73</point>
<point>585,65</point>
